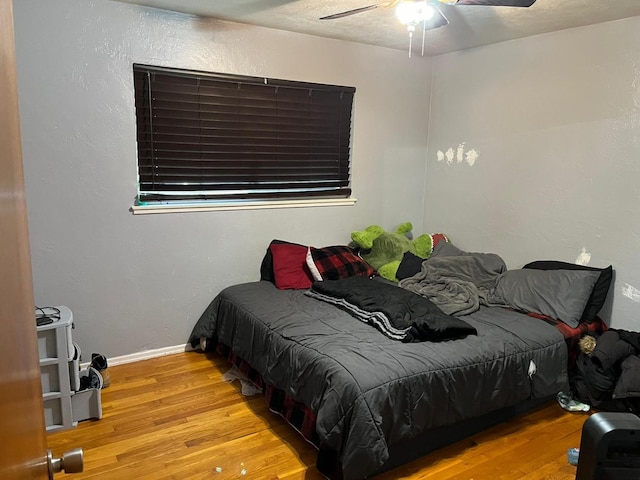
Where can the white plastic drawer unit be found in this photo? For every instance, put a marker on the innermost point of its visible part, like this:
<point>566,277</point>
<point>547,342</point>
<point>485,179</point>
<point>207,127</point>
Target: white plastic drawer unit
<point>54,339</point>
<point>57,412</point>
<point>64,403</point>
<point>58,359</point>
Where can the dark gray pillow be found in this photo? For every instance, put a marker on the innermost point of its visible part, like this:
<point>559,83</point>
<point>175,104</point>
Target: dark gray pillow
<point>492,261</point>
<point>446,249</point>
<point>560,294</point>
<point>600,291</point>
<point>412,264</point>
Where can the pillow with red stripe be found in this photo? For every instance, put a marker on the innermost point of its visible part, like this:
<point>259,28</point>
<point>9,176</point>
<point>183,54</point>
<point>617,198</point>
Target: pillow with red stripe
<point>336,262</point>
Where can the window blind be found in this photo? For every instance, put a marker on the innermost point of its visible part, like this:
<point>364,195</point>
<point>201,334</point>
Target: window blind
<point>210,137</point>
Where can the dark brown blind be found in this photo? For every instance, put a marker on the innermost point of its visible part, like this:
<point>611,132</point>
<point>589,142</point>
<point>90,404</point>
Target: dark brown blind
<point>204,136</point>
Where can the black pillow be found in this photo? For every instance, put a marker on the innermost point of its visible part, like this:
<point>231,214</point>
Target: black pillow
<point>409,266</point>
<point>600,290</point>
<point>266,267</point>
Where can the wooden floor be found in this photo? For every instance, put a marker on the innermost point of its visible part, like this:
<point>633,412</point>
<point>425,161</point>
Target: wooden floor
<point>174,418</point>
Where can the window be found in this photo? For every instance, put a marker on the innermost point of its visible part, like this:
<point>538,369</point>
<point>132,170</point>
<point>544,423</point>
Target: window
<point>207,137</point>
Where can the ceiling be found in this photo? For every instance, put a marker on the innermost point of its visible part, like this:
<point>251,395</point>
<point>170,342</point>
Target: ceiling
<point>470,26</point>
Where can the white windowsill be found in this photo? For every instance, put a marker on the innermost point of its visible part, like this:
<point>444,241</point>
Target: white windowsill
<point>256,205</point>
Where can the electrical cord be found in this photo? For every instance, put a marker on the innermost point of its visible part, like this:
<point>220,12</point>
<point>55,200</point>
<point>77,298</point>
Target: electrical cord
<point>46,315</point>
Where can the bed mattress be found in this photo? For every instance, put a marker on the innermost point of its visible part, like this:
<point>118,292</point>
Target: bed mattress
<point>370,393</point>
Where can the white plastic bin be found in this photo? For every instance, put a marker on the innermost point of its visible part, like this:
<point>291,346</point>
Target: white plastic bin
<point>87,404</point>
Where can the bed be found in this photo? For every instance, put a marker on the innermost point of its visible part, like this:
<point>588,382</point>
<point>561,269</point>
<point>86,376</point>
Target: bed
<point>369,401</point>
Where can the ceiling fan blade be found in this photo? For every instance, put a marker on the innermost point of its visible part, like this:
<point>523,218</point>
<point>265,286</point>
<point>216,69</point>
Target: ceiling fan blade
<point>438,20</point>
<point>492,3</point>
<point>354,11</point>
<point>361,9</point>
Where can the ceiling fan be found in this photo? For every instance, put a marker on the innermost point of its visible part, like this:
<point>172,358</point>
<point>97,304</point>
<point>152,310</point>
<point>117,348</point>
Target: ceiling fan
<point>425,13</point>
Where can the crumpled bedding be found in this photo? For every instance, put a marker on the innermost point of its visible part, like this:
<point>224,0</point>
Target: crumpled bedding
<point>399,314</point>
<point>609,378</point>
<point>371,393</point>
<point>458,284</point>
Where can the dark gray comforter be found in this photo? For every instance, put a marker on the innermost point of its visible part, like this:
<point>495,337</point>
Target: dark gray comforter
<point>370,392</point>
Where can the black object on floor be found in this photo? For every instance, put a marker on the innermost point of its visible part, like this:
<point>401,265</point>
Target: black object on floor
<point>610,447</point>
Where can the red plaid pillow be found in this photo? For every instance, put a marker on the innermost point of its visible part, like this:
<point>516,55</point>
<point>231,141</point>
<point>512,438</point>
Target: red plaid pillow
<point>334,263</point>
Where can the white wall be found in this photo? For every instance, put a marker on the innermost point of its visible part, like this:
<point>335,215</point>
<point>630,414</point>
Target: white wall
<point>140,282</point>
<point>556,122</point>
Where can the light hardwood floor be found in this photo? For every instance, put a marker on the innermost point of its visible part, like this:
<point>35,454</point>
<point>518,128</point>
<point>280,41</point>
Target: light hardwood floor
<point>174,418</point>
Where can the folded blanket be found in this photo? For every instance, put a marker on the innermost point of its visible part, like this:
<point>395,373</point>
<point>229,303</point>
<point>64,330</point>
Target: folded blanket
<point>458,284</point>
<point>397,313</point>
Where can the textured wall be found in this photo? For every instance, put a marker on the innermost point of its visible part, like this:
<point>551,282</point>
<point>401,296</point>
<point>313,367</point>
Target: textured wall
<point>140,282</point>
<point>555,123</point>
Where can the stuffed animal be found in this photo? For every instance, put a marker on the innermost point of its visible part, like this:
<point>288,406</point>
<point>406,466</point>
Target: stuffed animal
<point>587,344</point>
<point>384,250</point>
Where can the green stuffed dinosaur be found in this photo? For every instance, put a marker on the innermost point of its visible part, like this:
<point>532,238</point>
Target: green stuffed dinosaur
<point>384,250</point>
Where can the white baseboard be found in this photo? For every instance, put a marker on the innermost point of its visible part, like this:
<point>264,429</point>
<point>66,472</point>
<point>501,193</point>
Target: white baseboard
<point>144,355</point>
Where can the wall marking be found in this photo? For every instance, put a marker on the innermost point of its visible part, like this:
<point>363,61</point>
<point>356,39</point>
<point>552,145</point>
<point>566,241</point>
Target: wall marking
<point>584,257</point>
<point>631,292</point>
<point>470,156</point>
<point>460,153</point>
<point>449,156</point>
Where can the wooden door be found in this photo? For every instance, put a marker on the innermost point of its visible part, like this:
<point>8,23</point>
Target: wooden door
<point>22,428</point>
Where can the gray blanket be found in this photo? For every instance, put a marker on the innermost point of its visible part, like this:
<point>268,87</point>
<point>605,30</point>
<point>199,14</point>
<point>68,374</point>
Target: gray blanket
<point>458,284</point>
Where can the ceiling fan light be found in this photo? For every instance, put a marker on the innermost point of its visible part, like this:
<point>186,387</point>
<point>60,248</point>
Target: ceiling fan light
<point>406,13</point>
<point>412,13</point>
<point>428,11</point>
